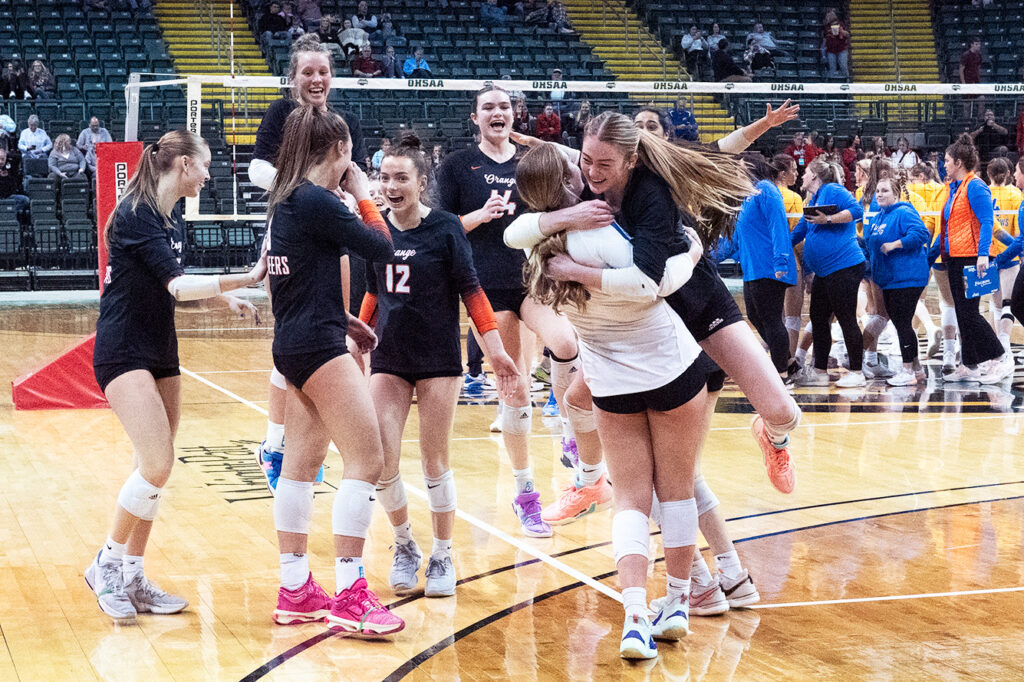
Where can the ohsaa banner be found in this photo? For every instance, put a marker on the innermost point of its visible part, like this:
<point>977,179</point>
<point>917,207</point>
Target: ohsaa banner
<point>115,165</point>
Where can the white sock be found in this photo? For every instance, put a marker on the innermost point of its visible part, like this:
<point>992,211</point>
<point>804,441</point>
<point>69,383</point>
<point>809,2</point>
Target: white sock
<point>634,600</point>
<point>801,356</point>
<point>677,588</point>
<point>728,564</point>
<point>1005,340</point>
<point>131,566</point>
<point>347,570</point>
<point>524,480</point>
<point>699,571</point>
<point>403,533</point>
<point>112,552</point>
<point>590,474</point>
<point>871,357</point>
<point>442,548</point>
<point>294,570</point>
<point>948,346</point>
<point>275,437</point>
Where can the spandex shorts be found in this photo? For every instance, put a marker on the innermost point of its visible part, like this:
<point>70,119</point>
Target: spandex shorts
<point>107,373</point>
<point>297,369</point>
<point>412,377</point>
<point>708,304</point>
<point>675,393</point>
<point>510,300</point>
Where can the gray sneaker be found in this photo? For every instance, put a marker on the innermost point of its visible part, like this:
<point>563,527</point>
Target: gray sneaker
<point>107,582</point>
<point>148,598</point>
<point>440,577</point>
<point>403,570</point>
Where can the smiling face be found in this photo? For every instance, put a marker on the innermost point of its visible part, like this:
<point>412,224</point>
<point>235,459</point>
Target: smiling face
<point>493,115</point>
<point>377,194</point>
<point>194,173</point>
<point>313,78</point>
<point>401,183</point>
<point>605,167</point>
<point>884,194</point>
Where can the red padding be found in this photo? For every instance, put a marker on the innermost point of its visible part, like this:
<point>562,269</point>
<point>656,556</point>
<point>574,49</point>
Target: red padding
<point>64,383</point>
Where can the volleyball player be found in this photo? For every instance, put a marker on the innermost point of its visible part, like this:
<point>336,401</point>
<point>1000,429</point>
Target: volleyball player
<point>328,399</point>
<point>784,175</point>
<point>1005,197</point>
<point>1007,257</point>
<point>310,69</point>
<point>136,355</point>
<point>414,297</point>
<point>479,186</point>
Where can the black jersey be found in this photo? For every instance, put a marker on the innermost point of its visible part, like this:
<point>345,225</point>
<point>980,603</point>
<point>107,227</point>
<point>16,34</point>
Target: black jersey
<point>466,180</point>
<point>417,297</point>
<point>271,131</point>
<point>309,232</point>
<point>136,319</point>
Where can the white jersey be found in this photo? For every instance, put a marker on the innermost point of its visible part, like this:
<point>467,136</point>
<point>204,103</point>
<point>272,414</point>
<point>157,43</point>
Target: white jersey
<point>627,345</point>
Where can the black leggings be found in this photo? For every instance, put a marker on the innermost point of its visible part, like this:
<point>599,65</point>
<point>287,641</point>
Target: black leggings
<point>978,343</point>
<point>1017,298</point>
<point>901,304</point>
<point>764,299</point>
<point>837,294</point>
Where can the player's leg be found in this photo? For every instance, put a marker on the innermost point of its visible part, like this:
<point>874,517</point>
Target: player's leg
<point>947,313</point>
<point>1007,278</point>
<point>793,307</point>
<point>877,319</point>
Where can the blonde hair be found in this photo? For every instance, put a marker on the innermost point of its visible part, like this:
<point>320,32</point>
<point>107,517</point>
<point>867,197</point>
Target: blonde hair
<point>157,160</point>
<point>542,178</point>
<point>710,186</point>
<point>826,170</point>
<point>63,143</point>
<point>880,168</point>
<point>309,135</point>
<point>897,182</point>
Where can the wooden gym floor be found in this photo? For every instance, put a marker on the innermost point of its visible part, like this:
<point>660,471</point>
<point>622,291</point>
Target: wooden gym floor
<point>899,556</point>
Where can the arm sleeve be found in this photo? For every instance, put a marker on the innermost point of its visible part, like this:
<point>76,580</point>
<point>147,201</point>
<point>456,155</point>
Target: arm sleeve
<point>81,161</point>
<point>980,198</point>
<point>524,232</point>
<point>368,309</point>
<point>467,284</point>
<point>262,173</point>
<point>23,142</point>
<point>81,141</point>
<point>733,143</point>
<point>1012,251</point>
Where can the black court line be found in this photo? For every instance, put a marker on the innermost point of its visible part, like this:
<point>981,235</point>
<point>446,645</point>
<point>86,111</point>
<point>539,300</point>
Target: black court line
<point>428,653</point>
<point>299,648</point>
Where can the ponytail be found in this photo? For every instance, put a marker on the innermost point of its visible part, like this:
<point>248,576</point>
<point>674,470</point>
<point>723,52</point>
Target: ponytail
<point>309,135</point>
<point>880,168</point>
<point>964,151</point>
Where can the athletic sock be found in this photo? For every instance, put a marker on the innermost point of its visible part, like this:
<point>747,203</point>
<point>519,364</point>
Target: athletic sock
<point>728,564</point>
<point>524,480</point>
<point>1004,339</point>
<point>294,570</point>
<point>699,571</point>
<point>347,570</point>
<point>871,357</point>
<point>403,533</point>
<point>275,437</point>
<point>442,548</point>
<point>590,474</point>
<point>112,552</point>
<point>634,600</point>
<point>131,566</point>
<point>801,356</point>
<point>677,588</point>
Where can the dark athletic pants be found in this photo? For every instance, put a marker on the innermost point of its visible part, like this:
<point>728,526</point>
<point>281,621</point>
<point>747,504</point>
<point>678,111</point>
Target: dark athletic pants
<point>901,304</point>
<point>764,299</point>
<point>978,342</point>
<point>837,294</point>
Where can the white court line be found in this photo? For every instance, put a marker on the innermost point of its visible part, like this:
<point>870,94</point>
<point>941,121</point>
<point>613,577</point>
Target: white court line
<point>894,597</point>
<point>469,518</point>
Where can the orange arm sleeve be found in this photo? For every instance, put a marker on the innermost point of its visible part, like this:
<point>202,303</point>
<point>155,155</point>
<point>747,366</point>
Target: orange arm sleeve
<point>368,309</point>
<point>372,218</point>
<point>480,310</point>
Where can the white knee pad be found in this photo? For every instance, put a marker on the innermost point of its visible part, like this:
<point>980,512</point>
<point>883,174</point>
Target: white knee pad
<point>352,510</point>
<point>441,492</point>
<point>563,372</point>
<point>706,500</point>
<point>391,494</point>
<point>277,380</point>
<point>679,523</point>
<point>582,420</point>
<point>809,328</point>
<point>139,498</point>
<point>516,419</point>
<point>793,323</point>
<point>948,314</point>
<point>293,506</point>
<point>631,534</point>
<point>875,325</point>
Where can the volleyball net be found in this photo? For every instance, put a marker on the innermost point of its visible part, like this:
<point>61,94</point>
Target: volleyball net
<point>226,110</point>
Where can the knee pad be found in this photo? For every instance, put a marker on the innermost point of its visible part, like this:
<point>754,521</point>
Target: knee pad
<point>793,323</point>
<point>139,498</point>
<point>277,380</point>
<point>809,328</point>
<point>391,494</point>
<point>948,315</point>
<point>516,419</point>
<point>352,510</point>
<point>582,420</point>
<point>563,372</point>
<point>293,506</point>
<point>441,492</point>
<point>631,534</point>
<point>875,325</point>
<point>679,523</point>
<point>706,500</point>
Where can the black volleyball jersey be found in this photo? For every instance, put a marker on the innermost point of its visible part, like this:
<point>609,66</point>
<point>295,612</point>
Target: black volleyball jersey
<point>416,296</point>
<point>271,131</point>
<point>466,180</point>
<point>136,319</point>
<point>309,232</point>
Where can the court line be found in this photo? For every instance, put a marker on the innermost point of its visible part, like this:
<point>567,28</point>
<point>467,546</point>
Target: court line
<point>891,597</point>
<point>468,518</point>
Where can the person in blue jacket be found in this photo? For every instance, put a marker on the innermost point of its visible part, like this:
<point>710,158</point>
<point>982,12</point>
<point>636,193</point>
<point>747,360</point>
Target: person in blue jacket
<point>897,242</point>
<point>1016,248</point>
<point>831,252</point>
<point>766,255</point>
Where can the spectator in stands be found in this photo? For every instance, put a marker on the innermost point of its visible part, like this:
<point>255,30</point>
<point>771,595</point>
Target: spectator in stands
<point>328,35</point>
<point>14,81</point>
<point>11,183</point>
<point>715,37</point>
<point>272,25</point>
<point>296,27</point>
<point>41,83</point>
<point>725,68</point>
<point>389,64</point>
<point>310,13</point>
<point>684,124</point>
<point>970,72</point>
<point>65,160</point>
<point>89,138</point>
<point>695,49</point>
<point>363,19</point>
<point>34,143</point>
<point>365,65</point>
<point>989,136</point>
<point>851,154</point>
<point>761,48</point>
<point>559,96</point>
<point>936,161</point>
<point>879,148</point>
<point>801,151</point>
<point>577,122</point>
<point>552,14</point>
<point>491,15</point>
<point>522,122</point>
<point>436,157</point>
<point>378,156</point>
<point>387,27</point>
<point>416,66</point>
<point>836,46</point>
<point>351,39</point>
<point>828,148</point>
<point>549,125</point>
<point>904,156</point>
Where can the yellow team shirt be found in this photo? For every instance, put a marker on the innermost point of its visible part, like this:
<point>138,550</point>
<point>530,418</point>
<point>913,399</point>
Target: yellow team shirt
<point>928,191</point>
<point>794,204</point>
<point>1007,198</point>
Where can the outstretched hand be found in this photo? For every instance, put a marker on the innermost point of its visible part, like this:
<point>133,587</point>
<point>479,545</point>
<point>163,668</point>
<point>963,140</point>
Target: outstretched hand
<point>786,112</point>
